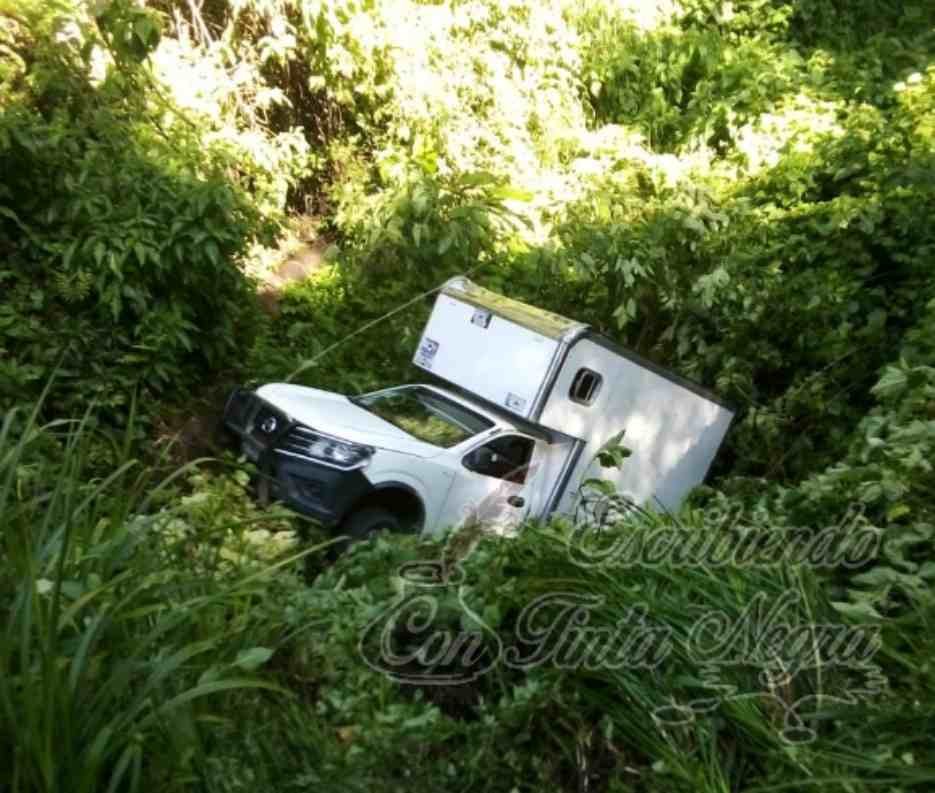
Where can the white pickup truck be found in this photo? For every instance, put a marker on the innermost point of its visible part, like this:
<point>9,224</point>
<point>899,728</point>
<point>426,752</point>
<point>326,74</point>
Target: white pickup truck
<point>524,401</point>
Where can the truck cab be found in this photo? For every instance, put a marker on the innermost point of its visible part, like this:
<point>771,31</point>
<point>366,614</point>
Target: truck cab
<point>402,458</point>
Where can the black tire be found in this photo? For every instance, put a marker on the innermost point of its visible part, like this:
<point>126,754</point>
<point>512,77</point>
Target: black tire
<point>360,525</point>
<point>366,522</point>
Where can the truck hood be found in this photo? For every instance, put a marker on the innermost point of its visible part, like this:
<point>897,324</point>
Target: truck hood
<point>334,414</point>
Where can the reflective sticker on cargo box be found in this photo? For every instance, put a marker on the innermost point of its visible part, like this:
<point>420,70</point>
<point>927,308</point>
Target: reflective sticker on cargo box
<point>426,353</point>
<point>516,403</point>
<point>481,318</point>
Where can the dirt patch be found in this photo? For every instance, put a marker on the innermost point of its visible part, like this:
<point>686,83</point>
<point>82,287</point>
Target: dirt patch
<point>195,430</point>
<point>299,255</point>
<point>307,259</point>
<point>302,263</point>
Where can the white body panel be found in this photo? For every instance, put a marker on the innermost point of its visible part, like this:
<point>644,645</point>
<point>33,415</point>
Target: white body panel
<point>477,498</point>
<point>503,362</point>
<point>672,430</point>
<point>337,415</point>
<point>454,495</point>
<point>431,480</point>
<point>450,493</point>
<point>474,498</point>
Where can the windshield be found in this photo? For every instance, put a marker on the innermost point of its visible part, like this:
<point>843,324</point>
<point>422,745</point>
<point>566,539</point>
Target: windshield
<point>425,415</point>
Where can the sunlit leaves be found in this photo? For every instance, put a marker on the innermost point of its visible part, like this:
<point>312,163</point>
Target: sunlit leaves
<point>135,233</point>
<point>132,32</point>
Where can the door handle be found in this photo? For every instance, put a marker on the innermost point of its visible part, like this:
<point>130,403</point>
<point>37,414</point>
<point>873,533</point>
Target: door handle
<point>516,501</point>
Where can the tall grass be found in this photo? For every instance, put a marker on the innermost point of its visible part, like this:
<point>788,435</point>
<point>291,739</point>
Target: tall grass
<point>696,722</point>
<point>122,654</point>
<point>108,645</point>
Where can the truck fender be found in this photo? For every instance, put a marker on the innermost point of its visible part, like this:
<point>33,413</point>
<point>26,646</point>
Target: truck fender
<point>398,496</point>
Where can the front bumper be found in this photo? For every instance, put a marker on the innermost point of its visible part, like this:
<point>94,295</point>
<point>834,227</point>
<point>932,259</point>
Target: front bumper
<point>315,489</point>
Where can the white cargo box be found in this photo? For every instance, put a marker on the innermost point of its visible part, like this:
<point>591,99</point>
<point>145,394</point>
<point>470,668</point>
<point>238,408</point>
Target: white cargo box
<point>499,349</point>
<point>558,374</point>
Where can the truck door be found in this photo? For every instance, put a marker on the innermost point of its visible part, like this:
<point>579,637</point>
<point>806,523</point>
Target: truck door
<point>494,483</point>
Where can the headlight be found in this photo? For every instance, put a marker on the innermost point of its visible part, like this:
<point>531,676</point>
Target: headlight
<point>303,442</point>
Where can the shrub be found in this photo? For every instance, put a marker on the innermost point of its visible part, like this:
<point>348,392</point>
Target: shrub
<point>113,633</point>
<point>121,239</point>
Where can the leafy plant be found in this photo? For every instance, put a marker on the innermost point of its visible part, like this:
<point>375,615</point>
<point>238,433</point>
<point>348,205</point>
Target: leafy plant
<point>108,644</point>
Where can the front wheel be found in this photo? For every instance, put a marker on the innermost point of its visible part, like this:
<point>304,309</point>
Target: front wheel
<point>362,524</point>
<point>366,522</point>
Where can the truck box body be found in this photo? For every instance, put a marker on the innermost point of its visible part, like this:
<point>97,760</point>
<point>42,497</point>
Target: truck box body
<point>496,348</point>
<point>559,375</point>
<point>672,427</point>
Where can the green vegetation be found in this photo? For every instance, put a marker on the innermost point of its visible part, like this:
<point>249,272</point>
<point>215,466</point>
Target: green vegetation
<point>743,192</point>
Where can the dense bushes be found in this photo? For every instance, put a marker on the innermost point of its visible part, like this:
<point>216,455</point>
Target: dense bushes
<point>123,609</point>
<point>120,229</point>
<point>756,219</point>
<point>742,192</point>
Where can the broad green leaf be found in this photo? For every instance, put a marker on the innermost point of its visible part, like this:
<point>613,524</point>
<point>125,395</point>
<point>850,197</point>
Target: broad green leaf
<point>252,659</point>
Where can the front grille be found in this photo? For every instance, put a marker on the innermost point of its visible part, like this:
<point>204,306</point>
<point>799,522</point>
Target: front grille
<point>297,441</point>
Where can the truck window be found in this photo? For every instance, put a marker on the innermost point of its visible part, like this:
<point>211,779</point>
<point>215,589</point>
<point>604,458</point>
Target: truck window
<point>585,386</point>
<point>506,457</point>
<point>426,415</point>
